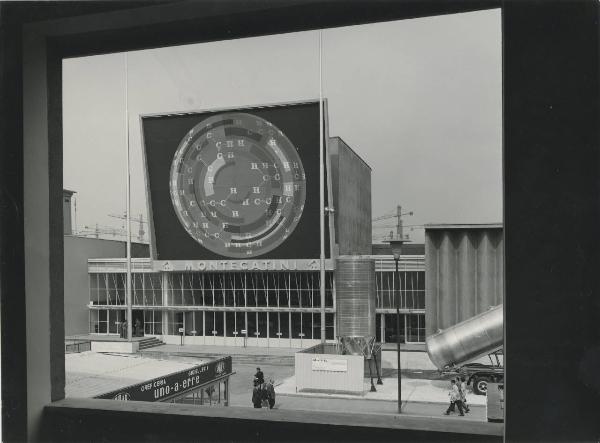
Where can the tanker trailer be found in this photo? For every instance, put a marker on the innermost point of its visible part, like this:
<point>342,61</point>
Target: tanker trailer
<point>454,349</point>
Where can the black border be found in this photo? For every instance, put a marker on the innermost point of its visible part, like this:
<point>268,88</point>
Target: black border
<point>552,199</point>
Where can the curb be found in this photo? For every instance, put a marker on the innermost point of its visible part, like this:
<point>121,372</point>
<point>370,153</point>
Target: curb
<point>307,395</point>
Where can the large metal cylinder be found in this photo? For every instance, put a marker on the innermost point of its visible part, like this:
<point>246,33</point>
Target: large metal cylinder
<point>355,301</point>
<point>467,340</point>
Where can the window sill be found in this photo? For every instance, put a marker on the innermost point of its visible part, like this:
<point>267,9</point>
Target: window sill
<point>95,407</point>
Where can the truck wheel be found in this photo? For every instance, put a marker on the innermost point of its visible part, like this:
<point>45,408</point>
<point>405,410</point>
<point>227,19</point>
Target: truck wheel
<point>480,385</point>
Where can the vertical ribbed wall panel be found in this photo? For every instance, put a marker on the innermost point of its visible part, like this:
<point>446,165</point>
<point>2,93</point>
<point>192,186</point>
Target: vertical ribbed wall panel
<point>464,273</point>
<point>432,313</point>
<point>466,285</point>
<point>447,282</point>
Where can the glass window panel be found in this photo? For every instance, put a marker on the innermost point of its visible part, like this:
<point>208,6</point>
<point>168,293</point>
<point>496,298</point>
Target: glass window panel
<point>272,297</point>
<point>262,324</point>
<point>283,296</point>
<point>378,327</point>
<point>93,321</point>
<point>251,321</point>
<point>307,324</point>
<point>148,322</point>
<point>253,283</point>
<point>273,324</point>
<point>112,322</point>
<point>316,325</point>
<point>284,324</point>
<point>94,289</point>
<point>296,324</point>
<point>209,323</point>
<point>329,326</point>
<point>188,298</point>
<point>199,319</point>
<point>294,284</point>
<point>240,319</point>
<point>329,281</point>
<point>229,324</point>
<point>229,296</point>
<point>220,323</point>
<point>261,298</point>
<point>158,330</point>
<point>391,335</point>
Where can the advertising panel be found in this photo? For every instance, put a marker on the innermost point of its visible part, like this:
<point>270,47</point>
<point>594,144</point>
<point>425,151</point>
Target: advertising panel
<point>163,388</point>
<point>235,184</point>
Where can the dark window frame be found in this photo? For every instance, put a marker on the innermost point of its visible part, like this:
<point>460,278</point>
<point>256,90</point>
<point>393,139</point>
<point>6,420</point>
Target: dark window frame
<point>535,137</point>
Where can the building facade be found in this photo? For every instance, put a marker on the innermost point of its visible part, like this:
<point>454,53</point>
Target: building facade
<point>256,303</point>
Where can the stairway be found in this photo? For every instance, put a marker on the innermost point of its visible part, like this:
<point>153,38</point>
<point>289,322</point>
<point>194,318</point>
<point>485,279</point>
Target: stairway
<point>150,342</point>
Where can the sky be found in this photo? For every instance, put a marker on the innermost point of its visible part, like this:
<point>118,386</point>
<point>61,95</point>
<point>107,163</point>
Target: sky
<point>419,100</point>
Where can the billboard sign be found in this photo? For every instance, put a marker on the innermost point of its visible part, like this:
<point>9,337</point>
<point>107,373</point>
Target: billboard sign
<point>172,385</point>
<point>236,183</point>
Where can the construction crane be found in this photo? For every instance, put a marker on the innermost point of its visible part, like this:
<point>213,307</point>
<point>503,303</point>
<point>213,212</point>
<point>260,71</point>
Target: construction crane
<point>398,215</point>
<point>141,222</point>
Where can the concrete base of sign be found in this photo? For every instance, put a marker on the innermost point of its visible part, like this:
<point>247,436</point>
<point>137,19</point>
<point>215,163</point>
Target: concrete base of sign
<point>120,347</point>
<point>321,368</point>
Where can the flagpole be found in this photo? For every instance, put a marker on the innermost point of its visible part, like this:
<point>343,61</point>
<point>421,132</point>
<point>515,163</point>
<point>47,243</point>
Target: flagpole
<point>321,189</point>
<point>128,212</point>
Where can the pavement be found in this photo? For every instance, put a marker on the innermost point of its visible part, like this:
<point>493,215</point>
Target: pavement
<point>424,391</point>
<point>89,374</point>
<point>413,390</point>
<point>418,385</point>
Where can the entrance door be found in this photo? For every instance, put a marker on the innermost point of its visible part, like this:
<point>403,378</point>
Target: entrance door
<point>391,331</point>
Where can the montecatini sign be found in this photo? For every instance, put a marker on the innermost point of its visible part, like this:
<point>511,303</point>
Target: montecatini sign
<point>240,265</point>
<point>172,385</point>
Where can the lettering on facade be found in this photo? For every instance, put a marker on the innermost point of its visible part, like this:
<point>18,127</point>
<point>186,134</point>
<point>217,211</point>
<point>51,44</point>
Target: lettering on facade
<point>241,265</point>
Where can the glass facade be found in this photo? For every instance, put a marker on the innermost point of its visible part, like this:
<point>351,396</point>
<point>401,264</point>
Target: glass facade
<point>270,305</point>
<point>247,289</point>
<point>412,285</point>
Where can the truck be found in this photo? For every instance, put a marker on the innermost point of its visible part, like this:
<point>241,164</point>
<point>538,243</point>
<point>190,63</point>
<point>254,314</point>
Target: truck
<point>455,350</point>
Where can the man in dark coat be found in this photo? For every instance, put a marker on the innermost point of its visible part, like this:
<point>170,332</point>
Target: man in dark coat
<point>259,376</point>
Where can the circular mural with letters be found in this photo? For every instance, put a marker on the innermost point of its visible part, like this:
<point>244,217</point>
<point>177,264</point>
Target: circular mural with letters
<point>237,185</point>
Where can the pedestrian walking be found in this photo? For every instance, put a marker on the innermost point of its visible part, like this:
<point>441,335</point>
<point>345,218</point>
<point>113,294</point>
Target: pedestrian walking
<point>256,399</point>
<point>259,376</point>
<point>463,389</point>
<point>271,393</point>
<point>455,400</point>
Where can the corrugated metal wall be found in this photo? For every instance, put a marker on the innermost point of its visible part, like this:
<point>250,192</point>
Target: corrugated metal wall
<point>464,273</point>
<point>351,183</point>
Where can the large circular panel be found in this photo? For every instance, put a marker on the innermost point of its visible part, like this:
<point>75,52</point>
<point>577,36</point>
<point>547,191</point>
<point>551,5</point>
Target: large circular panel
<point>237,185</point>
